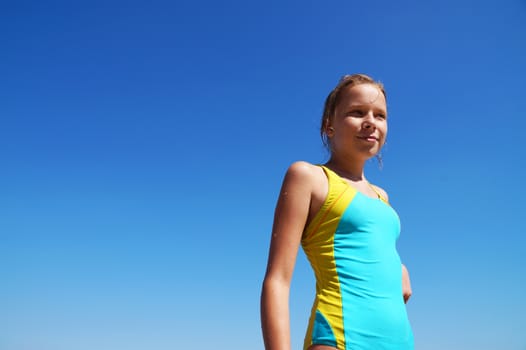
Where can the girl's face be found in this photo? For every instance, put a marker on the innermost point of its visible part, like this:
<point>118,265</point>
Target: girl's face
<point>359,125</point>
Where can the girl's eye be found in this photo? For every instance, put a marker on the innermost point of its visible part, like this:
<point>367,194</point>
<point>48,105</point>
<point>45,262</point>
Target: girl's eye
<point>355,113</point>
<point>381,116</point>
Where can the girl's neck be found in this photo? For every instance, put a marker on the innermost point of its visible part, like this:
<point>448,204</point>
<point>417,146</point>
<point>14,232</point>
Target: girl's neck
<point>348,168</point>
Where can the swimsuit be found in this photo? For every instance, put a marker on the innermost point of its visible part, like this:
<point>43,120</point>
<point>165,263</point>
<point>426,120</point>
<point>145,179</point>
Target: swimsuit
<point>351,246</point>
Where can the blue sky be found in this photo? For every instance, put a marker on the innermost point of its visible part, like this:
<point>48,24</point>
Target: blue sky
<point>143,145</point>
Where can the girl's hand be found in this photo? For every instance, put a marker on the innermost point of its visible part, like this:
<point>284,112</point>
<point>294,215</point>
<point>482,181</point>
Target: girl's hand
<point>406,284</point>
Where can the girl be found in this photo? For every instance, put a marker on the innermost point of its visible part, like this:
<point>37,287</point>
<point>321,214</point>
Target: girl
<point>348,232</point>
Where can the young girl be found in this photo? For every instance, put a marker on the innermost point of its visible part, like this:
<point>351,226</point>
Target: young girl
<point>348,231</point>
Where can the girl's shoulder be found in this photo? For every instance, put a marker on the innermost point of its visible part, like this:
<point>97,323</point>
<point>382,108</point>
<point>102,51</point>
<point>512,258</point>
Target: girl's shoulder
<point>305,169</point>
<point>381,192</point>
<point>305,174</point>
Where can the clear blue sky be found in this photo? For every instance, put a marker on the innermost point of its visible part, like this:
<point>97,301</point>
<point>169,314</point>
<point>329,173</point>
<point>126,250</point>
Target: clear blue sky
<point>143,145</point>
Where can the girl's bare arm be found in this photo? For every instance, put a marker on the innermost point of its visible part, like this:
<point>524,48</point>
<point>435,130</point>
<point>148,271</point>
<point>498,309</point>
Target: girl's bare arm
<point>290,217</point>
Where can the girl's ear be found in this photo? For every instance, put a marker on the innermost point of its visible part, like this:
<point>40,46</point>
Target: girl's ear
<point>329,130</point>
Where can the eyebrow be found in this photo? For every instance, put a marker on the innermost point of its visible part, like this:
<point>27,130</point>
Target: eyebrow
<point>351,106</point>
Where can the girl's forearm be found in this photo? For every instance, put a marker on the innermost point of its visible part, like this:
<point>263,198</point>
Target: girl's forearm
<point>275,315</point>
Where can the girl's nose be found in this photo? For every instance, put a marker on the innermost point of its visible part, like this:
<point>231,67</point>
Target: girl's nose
<point>368,121</point>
